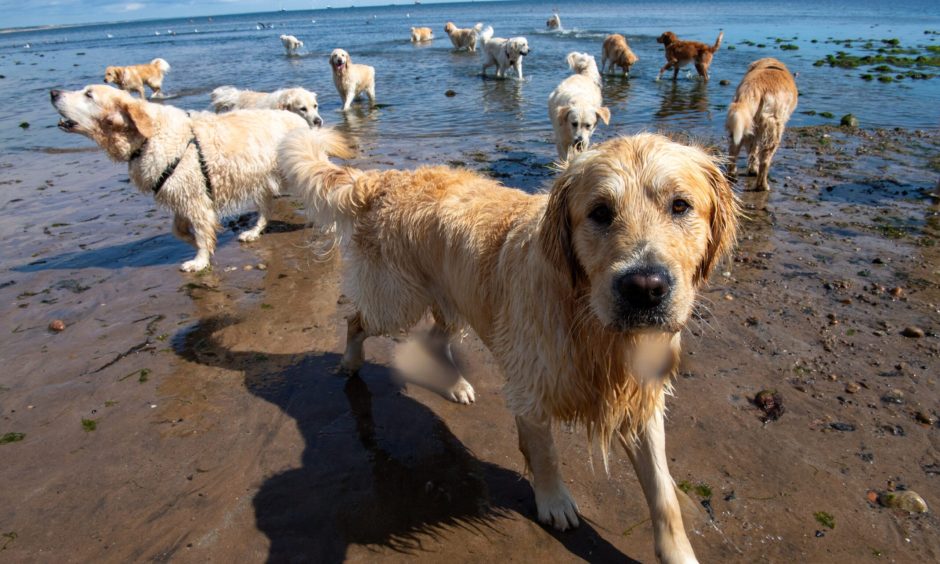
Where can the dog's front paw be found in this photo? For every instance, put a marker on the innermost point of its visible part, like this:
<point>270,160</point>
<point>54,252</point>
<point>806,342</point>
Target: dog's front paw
<point>194,265</point>
<point>461,392</point>
<point>248,236</point>
<point>557,508</point>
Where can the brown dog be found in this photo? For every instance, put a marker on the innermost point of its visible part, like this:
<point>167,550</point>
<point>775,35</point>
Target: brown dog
<point>762,105</point>
<point>421,34</point>
<point>681,53</point>
<point>618,52</point>
<point>580,293</point>
<point>134,77</point>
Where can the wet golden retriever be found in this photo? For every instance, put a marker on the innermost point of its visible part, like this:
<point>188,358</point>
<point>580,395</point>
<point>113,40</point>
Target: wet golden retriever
<point>617,52</point>
<point>553,22</point>
<point>134,77</point>
<point>463,38</point>
<point>199,165</point>
<point>681,53</point>
<point>421,34</point>
<point>580,293</point>
<point>297,100</point>
<point>762,105</point>
<point>575,106</point>
<point>503,53</point>
<point>351,79</point>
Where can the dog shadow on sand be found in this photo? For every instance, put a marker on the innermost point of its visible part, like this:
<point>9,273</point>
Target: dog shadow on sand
<point>378,467</point>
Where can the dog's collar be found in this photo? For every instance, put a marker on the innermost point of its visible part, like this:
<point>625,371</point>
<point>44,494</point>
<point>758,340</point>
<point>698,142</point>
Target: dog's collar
<point>136,154</point>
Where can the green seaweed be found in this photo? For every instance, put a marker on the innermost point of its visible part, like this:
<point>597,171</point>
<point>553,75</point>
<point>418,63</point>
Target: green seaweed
<point>825,519</point>
<point>789,47</point>
<point>89,425</point>
<point>828,115</point>
<point>12,438</point>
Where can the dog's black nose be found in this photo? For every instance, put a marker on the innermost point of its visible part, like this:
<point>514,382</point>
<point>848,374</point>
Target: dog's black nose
<point>54,94</point>
<point>644,288</point>
<point>317,122</point>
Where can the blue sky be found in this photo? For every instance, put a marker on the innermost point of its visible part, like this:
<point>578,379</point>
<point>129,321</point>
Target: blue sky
<point>19,13</point>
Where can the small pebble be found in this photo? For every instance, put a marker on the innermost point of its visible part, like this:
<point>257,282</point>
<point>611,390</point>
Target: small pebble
<point>450,93</point>
<point>262,266</point>
<point>839,426</point>
<point>894,396</point>
<point>897,291</point>
<point>57,325</point>
<point>249,267</point>
<point>925,418</point>
<point>724,82</point>
<point>908,500</point>
<point>913,332</point>
<point>852,388</point>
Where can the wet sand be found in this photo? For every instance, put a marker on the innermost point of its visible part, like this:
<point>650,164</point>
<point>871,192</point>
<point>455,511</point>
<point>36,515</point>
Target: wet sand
<point>221,431</point>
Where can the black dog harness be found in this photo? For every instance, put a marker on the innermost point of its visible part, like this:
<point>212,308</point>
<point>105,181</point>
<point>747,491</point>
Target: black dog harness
<point>171,168</point>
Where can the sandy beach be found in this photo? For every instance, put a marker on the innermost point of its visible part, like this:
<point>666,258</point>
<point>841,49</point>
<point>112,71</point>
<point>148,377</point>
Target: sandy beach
<point>199,417</point>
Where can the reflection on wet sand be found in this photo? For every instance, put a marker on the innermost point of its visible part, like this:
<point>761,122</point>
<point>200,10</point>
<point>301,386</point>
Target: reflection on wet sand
<point>503,95</point>
<point>681,97</point>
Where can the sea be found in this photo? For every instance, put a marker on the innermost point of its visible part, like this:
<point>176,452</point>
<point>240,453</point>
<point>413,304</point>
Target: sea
<point>416,118</point>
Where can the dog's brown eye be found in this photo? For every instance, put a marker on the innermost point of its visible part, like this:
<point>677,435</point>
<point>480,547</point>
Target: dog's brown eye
<point>88,94</point>
<point>602,215</point>
<point>303,109</point>
<point>680,206</point>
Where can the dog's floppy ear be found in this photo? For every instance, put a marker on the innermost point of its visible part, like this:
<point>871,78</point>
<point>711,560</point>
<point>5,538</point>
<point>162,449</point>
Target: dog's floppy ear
<point>562,113</point>
<point>723,223</point>
<point>555,230</point>
<point>139,116</point>
<point>603,114</point>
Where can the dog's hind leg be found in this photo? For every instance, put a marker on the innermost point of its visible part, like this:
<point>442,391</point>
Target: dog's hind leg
<point>457,389</point>
<point>769,142</point>
<point>553,501</point>
<point>370,92</point>
<point>356,335</point>
<point>264,210</point>
<point>648,455</point>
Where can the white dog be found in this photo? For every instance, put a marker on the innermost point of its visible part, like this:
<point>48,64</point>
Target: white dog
<point>198,165</point>
<point>575,106</point>
<point>351,79</point>
<point>503,53</point>
<point>554,22</point>
<point>291,44</point>
<point>463,38</point>
<point>297,100</point>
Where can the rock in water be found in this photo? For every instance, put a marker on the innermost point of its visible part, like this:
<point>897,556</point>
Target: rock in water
<point>848,120</point>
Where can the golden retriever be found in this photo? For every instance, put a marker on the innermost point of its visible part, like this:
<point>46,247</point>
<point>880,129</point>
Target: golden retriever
<point>351,79</point>
<point>197,165</point>
<point>419,34</point>
<point>681,53</point>
<point>134,77</point>
<point>554,22</point>
<point>297,100</point>
<point>503,53</point>
<point>579,293</point>
<point>618,53</point>
<point>291,44</point>
<point>762,105</point>
<point>463,38</point>
<point>575,106</point>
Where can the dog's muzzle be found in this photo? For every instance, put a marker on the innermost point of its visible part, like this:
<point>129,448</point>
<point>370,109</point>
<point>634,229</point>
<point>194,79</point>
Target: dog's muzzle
<point>642,296</point>
<point>317,122</point>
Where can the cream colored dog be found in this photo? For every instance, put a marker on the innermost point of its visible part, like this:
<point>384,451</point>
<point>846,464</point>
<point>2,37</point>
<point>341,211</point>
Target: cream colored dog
<point>463,38</point>
<point>297,100</point>
<point>503,53</point>
<point>419,34</point>
<point>198,165</point>
<point>618,53</point>
<point>133,78</point>
<point>575,106</point>
<point>291,44</point>
<point>762,105</point>
<point>580,293</point>
<point>351,79</point>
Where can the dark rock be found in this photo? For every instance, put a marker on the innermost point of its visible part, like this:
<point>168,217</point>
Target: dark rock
<point>450,93</point>
<point>913,332</point>
<point>771,403</point>
<point>839,426</point>
<point>724,82</point>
